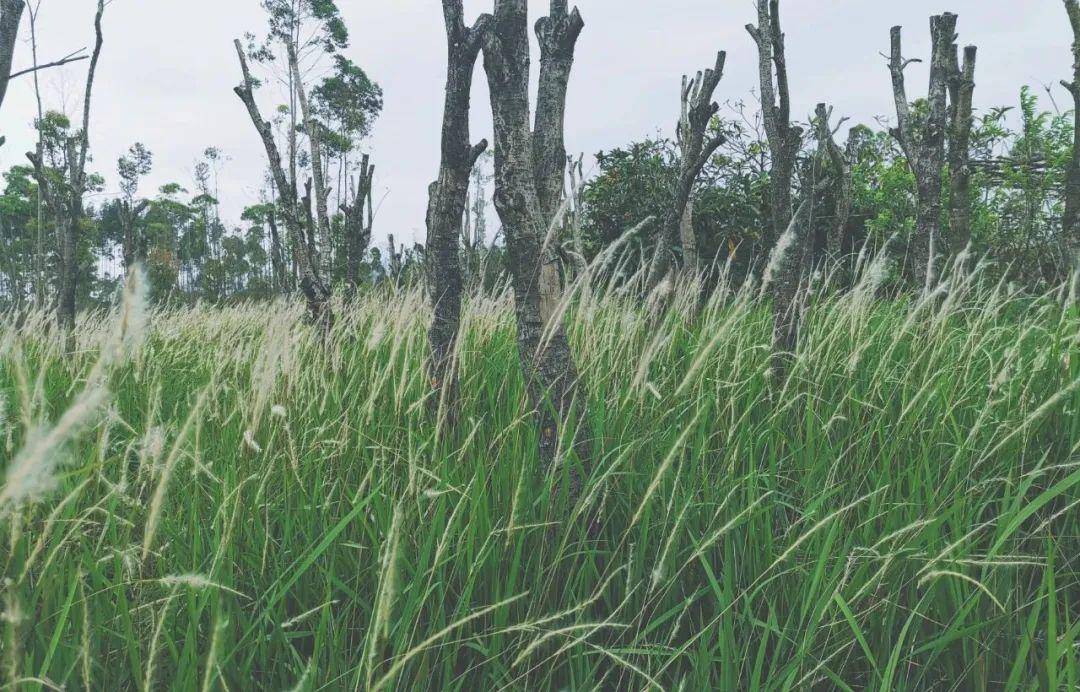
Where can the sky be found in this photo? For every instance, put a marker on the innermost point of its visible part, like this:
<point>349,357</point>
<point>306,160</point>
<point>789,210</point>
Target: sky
<point>168,67</point>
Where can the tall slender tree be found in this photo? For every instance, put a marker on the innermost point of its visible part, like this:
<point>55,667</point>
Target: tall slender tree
<point>66,197</point>
<point>529,172</point>
<point>315,291</point>
<point>924,147</point>
<point>448,195</point>
<point>785,139</point>
<point>695,148</point>
<point>1071,220</point>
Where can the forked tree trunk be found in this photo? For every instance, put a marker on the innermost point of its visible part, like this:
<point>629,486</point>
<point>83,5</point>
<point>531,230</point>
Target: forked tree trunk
<point>698,108</point>
<point>1070,223</point>
<point>925,150</point>
<point>448,197</point>
<point>557,35</point>
<point>525,164</point>
<point>316,293</point>
<point>834,168</point>
<point>784,138</point>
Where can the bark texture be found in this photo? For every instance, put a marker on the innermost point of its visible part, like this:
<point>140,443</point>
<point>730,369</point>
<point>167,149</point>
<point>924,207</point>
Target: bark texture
<point>962,119</point>
<point>784,138</point>
<point>525,165</point>
<point>315,291</point>
<point>277,255</point>
<point>10,16</point>
<point>924,147</point>
<point>697,111</point>
<point>448,196</point>
<point>1070,223</point>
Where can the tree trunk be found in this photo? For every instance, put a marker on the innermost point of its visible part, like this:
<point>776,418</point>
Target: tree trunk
<point>961,93</point>
<point>838,165</point>
<point>448,197</point>
<point>357,234</point>
<point>925,151</point>
<point>784,139</point>
<point>1070,223</point>
<point>790,236</point>
<point>689,239</point>
<point>316,293</point>
<point>277,257</point>
<point>698,108</point>
<point>10,16</point>
<point>70,198</point>
<point>549,367</point>
<point>322,255</point>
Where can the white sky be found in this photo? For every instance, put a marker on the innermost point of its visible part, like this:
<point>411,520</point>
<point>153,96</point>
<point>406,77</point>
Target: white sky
<point>168,68</point>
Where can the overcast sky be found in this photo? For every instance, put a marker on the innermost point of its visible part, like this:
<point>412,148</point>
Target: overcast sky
<point>168,68</point>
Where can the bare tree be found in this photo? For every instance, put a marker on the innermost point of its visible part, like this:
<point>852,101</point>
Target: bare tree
<point>834,166</point>
<point>698,109</point>
<point>448,195</point>
<point>557,34</point>
<point>785,139</point>
<point>357,227</point>
<point>313,131</point>
<point>924,147</point>
<point>529,174</point>
<point>315,291</point>
<point>10,17</point>
<point>1071,221</point>
<point>961,121</point>
<point>66,198</point>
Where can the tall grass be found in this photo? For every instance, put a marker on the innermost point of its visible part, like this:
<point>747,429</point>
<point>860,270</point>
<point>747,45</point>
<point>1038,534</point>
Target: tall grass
<point>245,507</point>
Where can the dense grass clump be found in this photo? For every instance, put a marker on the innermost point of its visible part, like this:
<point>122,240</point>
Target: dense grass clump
<point>219,500</point>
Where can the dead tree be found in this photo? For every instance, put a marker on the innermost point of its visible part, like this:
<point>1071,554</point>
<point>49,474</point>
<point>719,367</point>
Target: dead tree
<point>448,195</point>
<point>67,197</point>
<point>698,109</point>
<point>785,139</point>
<point>961,121</point>
<point>315,291</point>
<point>10,17</point>
<point>1070,223</point>
<point>357,228</point>
<point>833,165</point>
<point>924,147</point>
<point>529,172</point>
<point>322,254</point>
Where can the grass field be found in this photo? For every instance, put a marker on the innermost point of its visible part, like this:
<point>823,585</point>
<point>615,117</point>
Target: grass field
<point>213,499</point>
